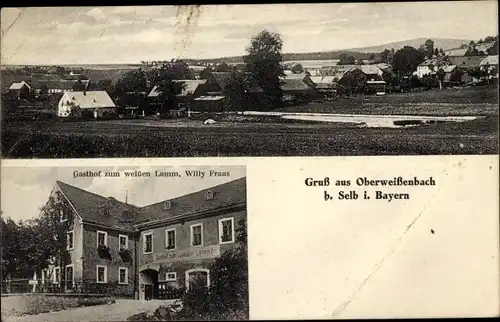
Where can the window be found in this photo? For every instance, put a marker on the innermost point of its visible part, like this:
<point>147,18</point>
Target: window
<point>147,246</point>
<point>122,275</point>
<point>196,235</point>
<point>167,205</point>
<point>56,278</point>
<point>170,276</point>
<point>226,230</point>
<point>170,238</point>
<point>69,240</point>
<point>123,241</point>
<point>101,274</point>
<point>62,215</point>
<point>209,195</point>
<point>70,278</point>
<point>197,276</point>
<point>102,238</point>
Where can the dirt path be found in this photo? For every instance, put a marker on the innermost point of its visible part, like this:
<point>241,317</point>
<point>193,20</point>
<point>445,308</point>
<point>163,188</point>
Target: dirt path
<point>119,311</point>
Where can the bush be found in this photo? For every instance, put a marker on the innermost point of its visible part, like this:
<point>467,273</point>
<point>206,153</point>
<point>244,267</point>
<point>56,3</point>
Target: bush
<point>39,303</point>
<point>95,301</point>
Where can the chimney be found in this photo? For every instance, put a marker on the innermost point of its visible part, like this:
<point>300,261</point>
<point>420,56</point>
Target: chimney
<point>126,197</point>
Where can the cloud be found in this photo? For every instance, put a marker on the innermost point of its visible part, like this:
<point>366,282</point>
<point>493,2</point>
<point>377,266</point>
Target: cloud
<point>25,189</point>
<point>125,34</point>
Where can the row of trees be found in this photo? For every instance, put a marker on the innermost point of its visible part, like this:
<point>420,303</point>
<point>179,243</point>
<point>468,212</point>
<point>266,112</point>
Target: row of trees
<point>32,245</point>
<point>262,62</point>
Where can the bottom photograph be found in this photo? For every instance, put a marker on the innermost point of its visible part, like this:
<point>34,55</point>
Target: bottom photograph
<point>124,243</point>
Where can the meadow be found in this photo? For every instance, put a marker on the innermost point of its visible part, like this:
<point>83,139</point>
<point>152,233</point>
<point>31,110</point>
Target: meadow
<point>257,136</point>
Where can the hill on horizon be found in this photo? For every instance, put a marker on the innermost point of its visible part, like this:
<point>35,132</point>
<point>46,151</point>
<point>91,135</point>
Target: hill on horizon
<point>358,53</point>
<point>444,43</point>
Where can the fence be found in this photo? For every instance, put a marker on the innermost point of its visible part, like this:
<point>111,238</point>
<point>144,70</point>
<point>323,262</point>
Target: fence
<point>25,285</point>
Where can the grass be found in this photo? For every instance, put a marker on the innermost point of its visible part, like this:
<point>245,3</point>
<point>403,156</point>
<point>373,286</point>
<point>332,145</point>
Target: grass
<point>102,139</point>
<point>39,303</point>
<point>266,136</point>
<point>448,102</point>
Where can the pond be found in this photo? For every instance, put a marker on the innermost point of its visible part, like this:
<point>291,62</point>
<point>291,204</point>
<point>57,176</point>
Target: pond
<point>387,121</point>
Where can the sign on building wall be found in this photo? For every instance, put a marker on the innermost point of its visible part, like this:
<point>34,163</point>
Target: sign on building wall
<point>188,254</point>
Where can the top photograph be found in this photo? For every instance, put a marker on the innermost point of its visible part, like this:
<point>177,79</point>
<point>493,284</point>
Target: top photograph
<point>339,79</point>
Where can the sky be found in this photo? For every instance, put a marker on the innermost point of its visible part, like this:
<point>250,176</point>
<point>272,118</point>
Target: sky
<point>130,34</point>
<point>25,189</point>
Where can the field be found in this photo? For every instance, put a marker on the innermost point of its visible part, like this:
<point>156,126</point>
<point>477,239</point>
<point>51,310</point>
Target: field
<point>272,136</point>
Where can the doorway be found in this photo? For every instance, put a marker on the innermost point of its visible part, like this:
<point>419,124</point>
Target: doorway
<point>149,284</point>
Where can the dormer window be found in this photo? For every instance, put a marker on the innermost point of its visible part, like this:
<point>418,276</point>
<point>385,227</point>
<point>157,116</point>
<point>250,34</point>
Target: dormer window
<point>167,205</point>
<point>104,210</point>
<point>209,195</point>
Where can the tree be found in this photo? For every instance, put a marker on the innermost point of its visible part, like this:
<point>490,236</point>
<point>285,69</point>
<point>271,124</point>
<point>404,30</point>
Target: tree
<point>78,86</point>
<point>345,59</point>
<point>30,246</point>
<point>384,56</point>
<point>263,61</point>
<point>235,91</point>
<point>206,72</point>
<point>227,297</point>
<point>61,71</point>
<point>223,67</point>
<point>440,75</point>
<point>297,68</point>
<point>429,48</point>
<point>493,50</point>
<point>406,60</point>
<point>131,82</point>
<point>105,85</point>
<point>441,52</point>
<point>436,52</point>
<point>44,90</point>
<point>472,51</point>
<point>167,89</point>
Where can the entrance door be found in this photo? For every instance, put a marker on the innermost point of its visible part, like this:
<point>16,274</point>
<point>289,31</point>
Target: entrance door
<point>148,290</point>
<point>150,282</point>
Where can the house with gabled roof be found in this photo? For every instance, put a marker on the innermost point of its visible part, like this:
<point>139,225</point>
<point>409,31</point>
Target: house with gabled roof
<point>86,103</point>
<point>149,252</point>
<point>19,89</point>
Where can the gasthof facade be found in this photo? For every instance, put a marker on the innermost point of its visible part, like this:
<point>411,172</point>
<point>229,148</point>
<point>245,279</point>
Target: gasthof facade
<point>145,252</point>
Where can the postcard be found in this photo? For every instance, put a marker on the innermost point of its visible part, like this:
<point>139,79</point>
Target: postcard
<point>240,162</point>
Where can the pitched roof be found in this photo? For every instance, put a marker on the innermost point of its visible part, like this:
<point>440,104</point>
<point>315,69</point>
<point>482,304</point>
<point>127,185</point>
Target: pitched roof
<point>466,61</point>
<point>456,52</point>
<point>449,69</point>
<point>490,60</point>
<point>223,79</point>
<point>89,99</point>
<point>300,76</point>
<point>124,216</point>
<point>60,84</point>
<point>75,77</point>
<point>369,69</point>
<point>19,85</point>
<point>224,195</point>
<point>293,84</point>
<point>190,87</point>
<point>324,81</point>
<point>87,205</point>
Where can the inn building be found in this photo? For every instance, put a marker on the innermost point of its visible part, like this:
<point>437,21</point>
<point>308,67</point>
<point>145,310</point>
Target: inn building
<point>149,252</point>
